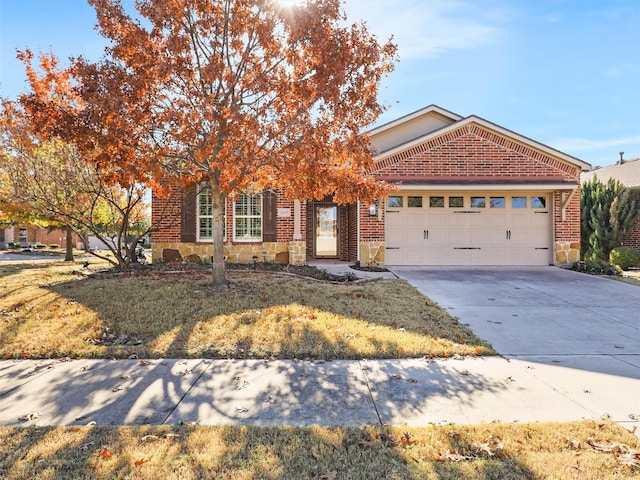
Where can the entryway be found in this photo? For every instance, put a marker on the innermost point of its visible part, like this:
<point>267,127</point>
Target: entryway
<point>326,231</point>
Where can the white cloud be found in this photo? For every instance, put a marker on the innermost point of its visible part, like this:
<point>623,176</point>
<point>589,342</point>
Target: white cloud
<point>429,29</point>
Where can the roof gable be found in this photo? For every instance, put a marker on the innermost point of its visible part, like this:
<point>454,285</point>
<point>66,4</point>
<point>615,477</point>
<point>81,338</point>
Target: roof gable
<point>411,126</point>
<point>499,134</point>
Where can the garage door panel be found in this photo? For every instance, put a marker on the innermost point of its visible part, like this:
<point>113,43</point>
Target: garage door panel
<point>460,235</point>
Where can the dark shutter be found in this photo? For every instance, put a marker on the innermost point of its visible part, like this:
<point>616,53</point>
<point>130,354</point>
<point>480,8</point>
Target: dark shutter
<point>269,217</point>
<point>189,205</point>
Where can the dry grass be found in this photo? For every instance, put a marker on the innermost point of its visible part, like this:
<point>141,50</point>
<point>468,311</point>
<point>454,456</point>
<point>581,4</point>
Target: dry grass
<point>495,451</point>
<point>46,311</point>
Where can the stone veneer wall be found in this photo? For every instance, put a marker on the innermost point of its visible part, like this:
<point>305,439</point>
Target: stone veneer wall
<point>372,253</point>
<point>238,252</point>
<point>297,253</point>
<point>567,252</point>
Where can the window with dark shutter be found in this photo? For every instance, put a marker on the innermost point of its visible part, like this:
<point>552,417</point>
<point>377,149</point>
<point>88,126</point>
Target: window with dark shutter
<point>269,217</point>
<point>188,224</point>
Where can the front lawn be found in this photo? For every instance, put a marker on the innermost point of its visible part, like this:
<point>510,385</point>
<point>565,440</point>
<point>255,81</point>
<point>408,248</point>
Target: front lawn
<point>48,311</point>
<point>579,450</point>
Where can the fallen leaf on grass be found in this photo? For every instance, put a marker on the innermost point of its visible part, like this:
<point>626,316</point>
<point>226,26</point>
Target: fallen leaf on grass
<point>630,459</point>
<point>624,454</point>
<point>608,447</point>
<point>407,439</point>
<point>142,461</point>
<point>147,438</point>
<point>329,475</point>
<point>103,453</point>
<point>573,443</point>
<point>485,448</point>
<point>453,456</point>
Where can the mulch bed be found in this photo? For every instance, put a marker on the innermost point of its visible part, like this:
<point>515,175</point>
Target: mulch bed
<point>299,270</point>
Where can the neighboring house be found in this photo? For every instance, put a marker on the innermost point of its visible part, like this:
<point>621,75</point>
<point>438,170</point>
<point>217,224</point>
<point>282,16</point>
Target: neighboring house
<point>468,192</point>
<point>24,235</point>
<point>627,172</point>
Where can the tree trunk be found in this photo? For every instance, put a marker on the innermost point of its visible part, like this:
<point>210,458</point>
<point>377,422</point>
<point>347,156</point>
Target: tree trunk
<point>68,257</point>
<point>218,201</point>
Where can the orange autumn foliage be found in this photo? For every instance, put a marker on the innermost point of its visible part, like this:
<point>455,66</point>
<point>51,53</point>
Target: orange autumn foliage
<point>244,94</point>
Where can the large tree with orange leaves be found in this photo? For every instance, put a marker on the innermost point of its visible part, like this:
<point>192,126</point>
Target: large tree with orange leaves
<point>243,94</point>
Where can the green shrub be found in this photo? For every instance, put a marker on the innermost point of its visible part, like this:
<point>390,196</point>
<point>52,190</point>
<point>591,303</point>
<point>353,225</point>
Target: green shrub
<point>625,257</point>
<point>54,246</point>
<point>597,267</point>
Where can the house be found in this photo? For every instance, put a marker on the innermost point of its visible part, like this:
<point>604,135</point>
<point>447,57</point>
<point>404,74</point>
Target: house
<point>25,235</point>
<point>627,172</point>
<point>467,192</point>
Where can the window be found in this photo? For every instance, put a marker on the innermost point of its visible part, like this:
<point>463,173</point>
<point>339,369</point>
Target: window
<point>518,202</point>
<point>205,216</point>
<point>496,202</point>
<point>436,202</point>
<point>456,202</point>
<point>394,202</point>
<point>247,218</point>
<point>414,202</point>
<point>23,236</point>
<point>538,202</point>
<point>478,202</point>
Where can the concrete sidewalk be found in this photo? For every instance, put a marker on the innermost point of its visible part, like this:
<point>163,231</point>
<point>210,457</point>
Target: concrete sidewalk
<point>528,386</point>
<point>254,392</point>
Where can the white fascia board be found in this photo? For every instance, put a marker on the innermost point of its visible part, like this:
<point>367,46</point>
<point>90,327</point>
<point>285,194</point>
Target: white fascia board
<point>485,187</point>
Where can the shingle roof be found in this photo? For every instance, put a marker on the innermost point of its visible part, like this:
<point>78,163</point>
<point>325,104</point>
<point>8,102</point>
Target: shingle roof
<point>627,173</point>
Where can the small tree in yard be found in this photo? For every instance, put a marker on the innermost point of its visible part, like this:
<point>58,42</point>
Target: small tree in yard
<point>244,94</point>
<point>49,182</point>
<point>608,210</point>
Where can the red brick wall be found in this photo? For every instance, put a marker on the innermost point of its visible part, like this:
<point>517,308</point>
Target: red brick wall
<point>632,239</point>
<point>285,225</point>
<point>567,230</point>
<point>472,153</point>
<point>39,235</point>
<point>371,227</point>
<point>165,216</point>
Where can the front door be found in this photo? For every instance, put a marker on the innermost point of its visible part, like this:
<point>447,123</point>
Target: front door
<point>326,228</point>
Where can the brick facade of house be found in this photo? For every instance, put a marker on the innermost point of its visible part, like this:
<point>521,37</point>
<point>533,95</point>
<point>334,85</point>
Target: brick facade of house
<point>470,154</point>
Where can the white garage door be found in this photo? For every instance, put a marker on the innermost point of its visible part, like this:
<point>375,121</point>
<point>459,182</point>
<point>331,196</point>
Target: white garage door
<point>493,228</point>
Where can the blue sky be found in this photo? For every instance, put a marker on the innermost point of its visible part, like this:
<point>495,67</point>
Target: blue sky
<point>562,72</point>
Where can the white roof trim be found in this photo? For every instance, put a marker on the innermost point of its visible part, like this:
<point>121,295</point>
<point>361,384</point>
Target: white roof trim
<point>584,166</point>
<point>418,113</point>
<point>484,187</point>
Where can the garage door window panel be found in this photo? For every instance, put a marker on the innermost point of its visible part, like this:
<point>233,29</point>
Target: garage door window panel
<point>414,202</point>
<point>395,202</point>
<point>518,202</point>
<point>538,202</point>
<point>456,202</point>
<point>436,202</point>
<point>478,202</point>
<point>496,202</point>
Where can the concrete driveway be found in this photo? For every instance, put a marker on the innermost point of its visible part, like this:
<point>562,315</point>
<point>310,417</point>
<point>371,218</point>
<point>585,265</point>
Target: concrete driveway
<point>578,334</point>
<point>532,311</point>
